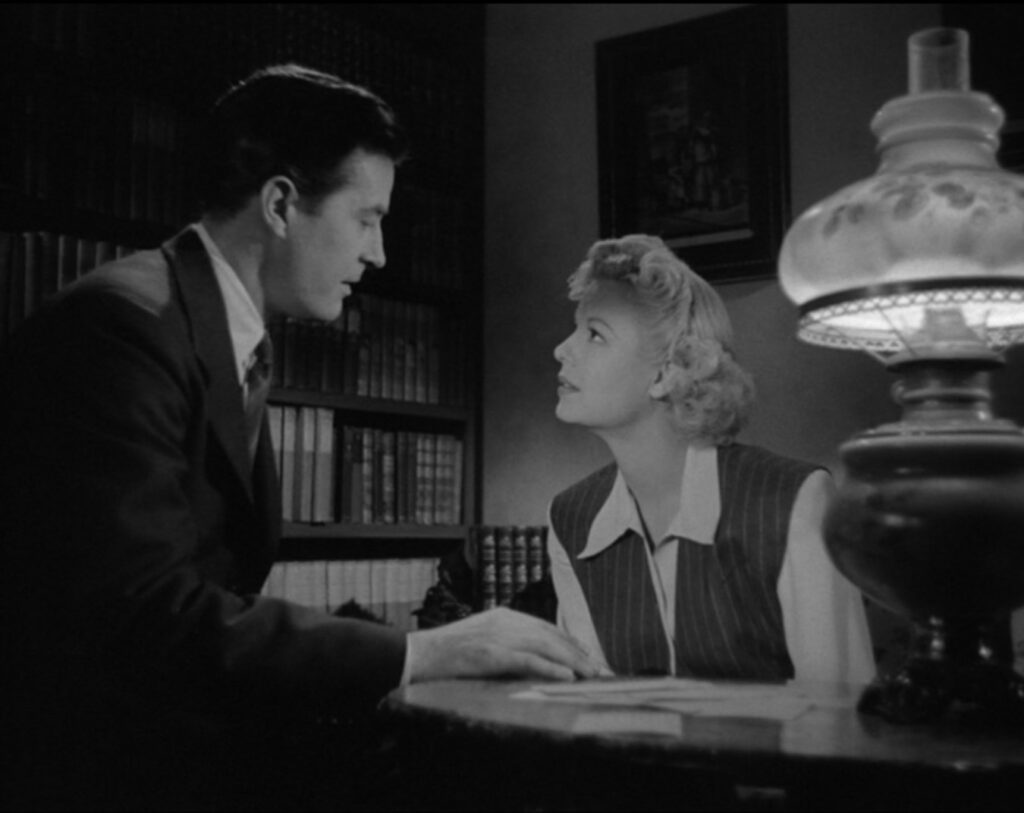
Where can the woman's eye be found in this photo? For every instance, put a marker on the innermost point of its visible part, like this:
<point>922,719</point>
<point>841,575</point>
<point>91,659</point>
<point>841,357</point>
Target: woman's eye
<point>594,336</point>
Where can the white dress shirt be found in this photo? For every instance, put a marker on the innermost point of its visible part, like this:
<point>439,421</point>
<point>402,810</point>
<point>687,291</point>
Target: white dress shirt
<point>244,320</point>
<point>823,614</point>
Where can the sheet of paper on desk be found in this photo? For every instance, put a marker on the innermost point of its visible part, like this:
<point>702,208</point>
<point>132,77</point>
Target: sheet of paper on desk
<point>685,696</point>
<point>618,685</point>
<point>613,692</point>
<point>762,708</point>
<point>629,721</point>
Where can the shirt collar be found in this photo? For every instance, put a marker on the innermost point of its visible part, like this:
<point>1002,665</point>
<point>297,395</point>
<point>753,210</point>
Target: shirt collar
<point>699,507</point>
<point>244,321</point>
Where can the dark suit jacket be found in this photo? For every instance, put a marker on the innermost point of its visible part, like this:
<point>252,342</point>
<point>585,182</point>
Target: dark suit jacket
<point>135,537</point>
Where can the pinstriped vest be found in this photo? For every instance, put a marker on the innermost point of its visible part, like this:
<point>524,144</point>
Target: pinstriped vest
<point>728,616</point>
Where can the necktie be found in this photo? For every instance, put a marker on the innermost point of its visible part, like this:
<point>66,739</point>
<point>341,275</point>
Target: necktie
<point>257,386</point>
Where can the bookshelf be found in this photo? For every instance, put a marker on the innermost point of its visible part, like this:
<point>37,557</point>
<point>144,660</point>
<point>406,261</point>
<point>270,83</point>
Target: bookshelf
<point>102,102</point>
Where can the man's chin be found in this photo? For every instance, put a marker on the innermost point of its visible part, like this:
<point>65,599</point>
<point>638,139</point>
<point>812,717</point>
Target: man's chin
<point>331,314</point>
<point>323,312</point>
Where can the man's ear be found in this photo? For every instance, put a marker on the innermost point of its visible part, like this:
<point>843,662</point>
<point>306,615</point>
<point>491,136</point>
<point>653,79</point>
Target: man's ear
<point>277,196</point>
<point>664,380</point>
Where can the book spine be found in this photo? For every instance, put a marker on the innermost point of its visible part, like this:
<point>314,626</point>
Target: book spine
<point>356,488</point>
<point>503,550</point>
<point>323,494</point>
<point>306,453</point>
<point>535,554</point>
<point>488,571</point>
<point>457,477</point>
<point>353,338</point>
<point>387,477</point>
<point>344,478</point>
<point>398,351</point>
<point>369,449</point>
<point>519,559</point>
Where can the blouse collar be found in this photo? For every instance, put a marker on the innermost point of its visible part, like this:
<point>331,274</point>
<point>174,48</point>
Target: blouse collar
<point>699,507</point>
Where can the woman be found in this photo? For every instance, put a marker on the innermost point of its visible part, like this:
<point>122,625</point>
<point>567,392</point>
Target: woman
<point>690,554</point>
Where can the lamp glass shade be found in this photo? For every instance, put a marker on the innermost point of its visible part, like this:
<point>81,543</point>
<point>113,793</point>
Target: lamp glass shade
<point>927,255</point>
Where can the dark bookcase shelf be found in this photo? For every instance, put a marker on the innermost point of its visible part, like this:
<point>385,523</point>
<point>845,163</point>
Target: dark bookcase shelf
<point>19,211</point>
<point>319,542</point>
<point>355,531</point>
<point>420,413</point>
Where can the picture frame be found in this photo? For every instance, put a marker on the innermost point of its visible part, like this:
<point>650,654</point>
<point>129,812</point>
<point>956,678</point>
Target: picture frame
<point>693,139</point>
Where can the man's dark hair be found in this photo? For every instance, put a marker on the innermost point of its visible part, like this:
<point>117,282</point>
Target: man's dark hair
<point>294,121</point>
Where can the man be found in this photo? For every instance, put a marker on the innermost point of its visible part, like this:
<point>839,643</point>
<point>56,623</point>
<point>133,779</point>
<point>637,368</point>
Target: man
<point>138,521</point>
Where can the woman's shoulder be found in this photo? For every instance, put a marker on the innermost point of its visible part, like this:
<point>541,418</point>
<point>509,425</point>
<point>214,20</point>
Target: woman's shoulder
<point>745,455</point>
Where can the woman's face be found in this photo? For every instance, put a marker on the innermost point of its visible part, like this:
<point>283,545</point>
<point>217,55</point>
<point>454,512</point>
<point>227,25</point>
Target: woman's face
<point>608,363</point>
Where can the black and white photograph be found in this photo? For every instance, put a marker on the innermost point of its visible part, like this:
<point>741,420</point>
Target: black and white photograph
<point>511,407</point>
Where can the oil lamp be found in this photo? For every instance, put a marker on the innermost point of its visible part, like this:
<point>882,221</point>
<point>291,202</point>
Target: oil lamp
<point>922,266</point>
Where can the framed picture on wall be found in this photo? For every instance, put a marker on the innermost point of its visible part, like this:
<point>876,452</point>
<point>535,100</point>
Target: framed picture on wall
<point>693,141</point>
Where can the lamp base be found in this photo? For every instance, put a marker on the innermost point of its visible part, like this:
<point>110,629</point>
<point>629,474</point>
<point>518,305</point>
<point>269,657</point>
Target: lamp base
<point>953,671</point>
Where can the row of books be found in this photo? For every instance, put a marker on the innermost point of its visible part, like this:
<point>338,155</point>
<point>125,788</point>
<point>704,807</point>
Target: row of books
<point>321,36</point>
<point>426,234</point>
<point>377,348</point>
<point>428,89</point>
<point>35,265</point>
<point>124,157</point>
<point>506,559</point>
<point>390,589</point>
<point>332,472</point>
<point>127,159</point>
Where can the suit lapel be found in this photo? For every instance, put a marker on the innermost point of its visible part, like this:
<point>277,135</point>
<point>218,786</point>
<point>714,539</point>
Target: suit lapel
<point>204,308</point>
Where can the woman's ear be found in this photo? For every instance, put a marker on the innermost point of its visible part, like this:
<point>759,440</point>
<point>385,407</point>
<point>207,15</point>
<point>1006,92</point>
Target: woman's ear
<point>665,380</point>
<point>276,197</point>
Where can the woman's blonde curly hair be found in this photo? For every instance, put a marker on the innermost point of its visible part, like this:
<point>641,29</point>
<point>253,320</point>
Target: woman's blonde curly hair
<point>711,398</point>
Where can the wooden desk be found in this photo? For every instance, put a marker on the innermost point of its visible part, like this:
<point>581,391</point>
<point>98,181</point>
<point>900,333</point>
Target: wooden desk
<point>469,745</point>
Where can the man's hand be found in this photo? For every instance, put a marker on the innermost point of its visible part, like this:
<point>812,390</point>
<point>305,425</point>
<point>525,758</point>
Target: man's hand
<point>496,643</point>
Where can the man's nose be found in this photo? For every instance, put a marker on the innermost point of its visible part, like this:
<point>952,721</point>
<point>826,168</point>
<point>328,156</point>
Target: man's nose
<point>374,255</point>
